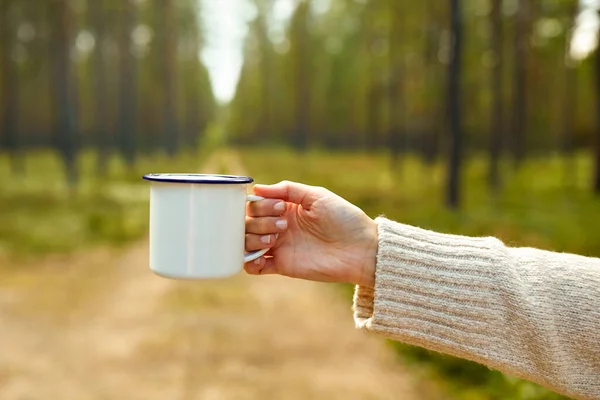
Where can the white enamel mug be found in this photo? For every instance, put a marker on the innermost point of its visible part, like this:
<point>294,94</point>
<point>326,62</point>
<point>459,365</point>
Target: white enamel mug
<point>197,225</point>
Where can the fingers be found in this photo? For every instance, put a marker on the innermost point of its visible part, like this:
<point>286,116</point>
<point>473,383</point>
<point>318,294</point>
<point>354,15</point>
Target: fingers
<point>266,208</point>
<point>258,242</point>
<point>292,192</point>
<point>266,225</point>
<point>261,266</point>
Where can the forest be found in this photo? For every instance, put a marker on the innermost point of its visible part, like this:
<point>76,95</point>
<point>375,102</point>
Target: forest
<point>442,79</point>
<point>115,76</point>
<point>476,117</point>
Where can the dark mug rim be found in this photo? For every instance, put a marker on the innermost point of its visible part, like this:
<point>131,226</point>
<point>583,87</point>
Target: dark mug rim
<point>213,179</point>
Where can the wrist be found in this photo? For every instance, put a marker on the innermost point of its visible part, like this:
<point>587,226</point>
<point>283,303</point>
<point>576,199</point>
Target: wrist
<point>366,275</point>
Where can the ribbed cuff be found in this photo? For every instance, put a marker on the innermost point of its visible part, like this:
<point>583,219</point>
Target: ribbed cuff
<point>433,290</point>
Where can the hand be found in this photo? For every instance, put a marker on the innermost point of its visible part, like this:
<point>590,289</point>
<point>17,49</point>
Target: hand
<point>312,233</point>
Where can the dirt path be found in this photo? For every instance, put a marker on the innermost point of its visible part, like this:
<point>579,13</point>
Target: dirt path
<point>99,325</point>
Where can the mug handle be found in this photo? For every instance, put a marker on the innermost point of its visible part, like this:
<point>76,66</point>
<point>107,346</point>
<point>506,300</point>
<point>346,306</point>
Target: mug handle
<point>253,255</point>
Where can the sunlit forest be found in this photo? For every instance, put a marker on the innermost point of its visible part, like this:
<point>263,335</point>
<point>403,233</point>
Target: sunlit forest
<point>441,79</point>
<point>478,117</point>
<point>116,76</point>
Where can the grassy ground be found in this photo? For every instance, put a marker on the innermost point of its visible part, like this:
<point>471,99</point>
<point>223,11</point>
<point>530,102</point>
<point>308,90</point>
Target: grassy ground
<point>96,324</point>
<point>537,207</point>
<point>40,215</point>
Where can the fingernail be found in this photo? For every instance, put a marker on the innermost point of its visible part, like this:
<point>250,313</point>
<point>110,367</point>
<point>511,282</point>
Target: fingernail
<point>266,239</point>
<point>281,224</point>
<point>257,261</point>
<point>279,206</point>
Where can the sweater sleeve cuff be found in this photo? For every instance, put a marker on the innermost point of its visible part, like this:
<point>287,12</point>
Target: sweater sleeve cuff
<point>431,290</point>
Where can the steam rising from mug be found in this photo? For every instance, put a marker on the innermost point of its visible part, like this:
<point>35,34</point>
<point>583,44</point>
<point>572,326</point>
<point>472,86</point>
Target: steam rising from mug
<point>197,225</point>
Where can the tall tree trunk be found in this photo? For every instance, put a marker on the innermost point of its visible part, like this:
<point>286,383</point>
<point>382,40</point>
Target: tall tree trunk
<point>454,105</point>
<point>570,102</point>
<point>192,106</point>
<point>10,85</point>
<point>519,112</point>
<point>396,87</point>
<point>373,117</point>
<point>569,107</point>
<point>127,85</point>
<point>374,83</point>
<point>432,72</point>
<point>596,184</point>
<point>266,63</point>
<point>101,130</point>
<point>302,78</point>
<point>373,108</point>
<point>64,87</point>
<point>193,110</point>
<point>497,74</point>
<point>171,131</point>
<point>153,120</point>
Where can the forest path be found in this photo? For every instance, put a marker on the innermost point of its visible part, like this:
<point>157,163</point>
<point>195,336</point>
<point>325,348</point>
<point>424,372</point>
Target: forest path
<point>99,325</point>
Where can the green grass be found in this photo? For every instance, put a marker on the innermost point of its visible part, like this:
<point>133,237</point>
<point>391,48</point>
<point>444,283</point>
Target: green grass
<point>39,214</point>
<point>535,208</point>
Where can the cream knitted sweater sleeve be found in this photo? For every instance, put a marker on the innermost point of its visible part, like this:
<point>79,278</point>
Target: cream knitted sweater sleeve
<point>530,313</point>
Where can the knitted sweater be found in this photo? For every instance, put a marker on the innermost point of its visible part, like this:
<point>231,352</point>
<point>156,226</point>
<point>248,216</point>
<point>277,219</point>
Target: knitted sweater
<point>530,313</point>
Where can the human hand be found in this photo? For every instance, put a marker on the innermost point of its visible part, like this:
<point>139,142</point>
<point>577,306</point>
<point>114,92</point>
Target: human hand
<point>313,234</point>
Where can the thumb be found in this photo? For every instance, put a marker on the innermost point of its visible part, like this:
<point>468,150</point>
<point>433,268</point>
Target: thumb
<point>291,192</point>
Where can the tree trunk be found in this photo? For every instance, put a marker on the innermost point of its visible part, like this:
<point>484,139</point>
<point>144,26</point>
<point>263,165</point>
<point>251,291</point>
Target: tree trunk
<point>520,82</point>
<point>497,73</point>
<point>153,123</point>
<point>454,105</point>
<point>569,107</point>
<point>64,87</point>
<point>10,85</point>
<point>266,63</point>
<point>101,130</point>
<point>193,106</point>
<point>127,85</point>
<point>396,86</point>
<point>570,102</point>
<point>171,131</point>
<point>596,185</point>
<point>432,72</point>
<point>373,107</point>
<point>374,82</point>
<point>302,79</point>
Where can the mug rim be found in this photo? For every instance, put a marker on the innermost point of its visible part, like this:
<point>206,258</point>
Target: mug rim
<point>198,178</point>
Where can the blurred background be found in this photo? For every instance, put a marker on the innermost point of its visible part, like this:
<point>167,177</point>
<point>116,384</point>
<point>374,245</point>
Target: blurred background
<point>478,117</point>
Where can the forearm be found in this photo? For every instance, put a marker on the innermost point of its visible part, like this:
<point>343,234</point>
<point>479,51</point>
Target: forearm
<point>527,312</point>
